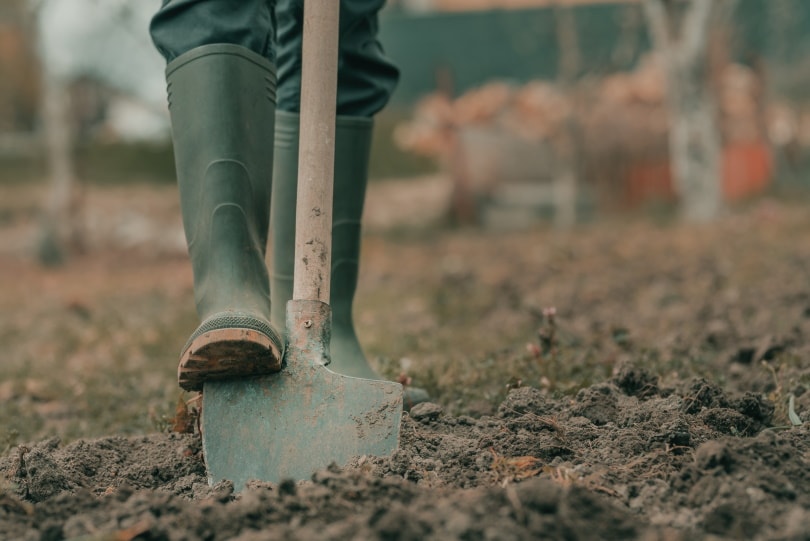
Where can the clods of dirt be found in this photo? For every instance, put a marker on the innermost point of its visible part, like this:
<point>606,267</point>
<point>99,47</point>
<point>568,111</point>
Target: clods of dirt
<point>623,459</point>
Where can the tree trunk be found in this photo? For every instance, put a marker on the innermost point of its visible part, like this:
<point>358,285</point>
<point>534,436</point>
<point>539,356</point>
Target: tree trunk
<point>59,230</point>
<point>58,220</point>
<point>682,40</point>
<point>783,23</point>
<point>567,143</point>
<point>695,145</point>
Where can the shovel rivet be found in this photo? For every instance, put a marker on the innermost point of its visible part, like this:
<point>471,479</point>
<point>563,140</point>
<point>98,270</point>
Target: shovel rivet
<point>308,324</point>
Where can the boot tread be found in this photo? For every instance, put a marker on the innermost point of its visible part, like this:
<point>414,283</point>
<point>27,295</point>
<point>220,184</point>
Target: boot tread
<point>227,353</point>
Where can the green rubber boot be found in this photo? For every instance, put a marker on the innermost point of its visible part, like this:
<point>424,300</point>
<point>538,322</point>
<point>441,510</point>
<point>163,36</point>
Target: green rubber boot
<point>352,148</point>
<point>222,103</point>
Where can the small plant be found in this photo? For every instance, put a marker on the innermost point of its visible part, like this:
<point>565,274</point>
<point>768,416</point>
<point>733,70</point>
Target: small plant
<point>548,332</point>
<point>187,416</point>
<point>795,420</point>
<point>784,406</point>
<point>777,396</point>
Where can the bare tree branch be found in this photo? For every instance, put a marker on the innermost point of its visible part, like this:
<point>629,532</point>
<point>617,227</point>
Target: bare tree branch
<point>657,19</point>
<point>565,183</point>
<point>696,24</point>
<point>701,17</point>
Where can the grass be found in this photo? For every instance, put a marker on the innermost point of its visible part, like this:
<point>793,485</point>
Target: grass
<point>91,366</point>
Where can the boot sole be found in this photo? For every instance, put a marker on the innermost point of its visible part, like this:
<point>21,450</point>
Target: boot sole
<point>227,354</point>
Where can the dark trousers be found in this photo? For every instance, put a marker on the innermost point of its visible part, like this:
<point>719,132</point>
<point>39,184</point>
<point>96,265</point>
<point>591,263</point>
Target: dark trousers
<point>274,28</point>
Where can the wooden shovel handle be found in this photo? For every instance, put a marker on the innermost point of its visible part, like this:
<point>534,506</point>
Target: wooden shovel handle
<point>316,156</point>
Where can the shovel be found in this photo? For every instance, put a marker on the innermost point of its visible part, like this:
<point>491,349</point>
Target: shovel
<point>306,417</point>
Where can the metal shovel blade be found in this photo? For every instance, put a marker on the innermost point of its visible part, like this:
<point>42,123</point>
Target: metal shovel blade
<point>290,424</point>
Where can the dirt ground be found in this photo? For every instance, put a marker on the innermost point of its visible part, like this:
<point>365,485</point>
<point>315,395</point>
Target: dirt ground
<point>626,380</point>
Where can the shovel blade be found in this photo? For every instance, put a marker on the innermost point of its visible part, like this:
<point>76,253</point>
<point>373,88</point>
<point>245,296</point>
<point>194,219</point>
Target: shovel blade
<point>290,424</point>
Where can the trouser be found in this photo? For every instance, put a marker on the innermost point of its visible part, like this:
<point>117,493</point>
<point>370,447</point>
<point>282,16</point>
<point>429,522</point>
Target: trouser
<point>274,29</point>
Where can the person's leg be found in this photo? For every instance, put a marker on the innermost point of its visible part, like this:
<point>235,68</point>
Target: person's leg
<point>182,25</point>
<point>366,77</point>
<point>221,88</point>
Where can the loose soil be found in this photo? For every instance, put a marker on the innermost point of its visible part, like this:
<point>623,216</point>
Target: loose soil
<point>619,382</point>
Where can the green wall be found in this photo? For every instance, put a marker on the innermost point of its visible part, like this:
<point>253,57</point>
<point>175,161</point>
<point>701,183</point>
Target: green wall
<point>520,45</point>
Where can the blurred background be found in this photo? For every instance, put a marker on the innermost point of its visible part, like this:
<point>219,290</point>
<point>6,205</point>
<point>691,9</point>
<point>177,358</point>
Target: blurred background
<point>510,114</point>
<point>626,169</point>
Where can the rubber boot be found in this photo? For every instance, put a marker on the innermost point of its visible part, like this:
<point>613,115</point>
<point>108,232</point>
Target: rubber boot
<point>222,104</point>
<point>352,148</point>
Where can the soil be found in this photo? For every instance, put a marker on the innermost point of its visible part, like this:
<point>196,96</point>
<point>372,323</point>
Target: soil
<point>652,403</point>
<point>624,458</point>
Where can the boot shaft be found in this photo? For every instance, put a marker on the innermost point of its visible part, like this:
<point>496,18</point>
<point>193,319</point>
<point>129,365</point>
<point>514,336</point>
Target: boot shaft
<point>222,105</point>
<point>352,149</point>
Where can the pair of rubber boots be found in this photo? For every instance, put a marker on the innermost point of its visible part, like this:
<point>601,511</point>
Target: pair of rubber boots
<point>222,104</point>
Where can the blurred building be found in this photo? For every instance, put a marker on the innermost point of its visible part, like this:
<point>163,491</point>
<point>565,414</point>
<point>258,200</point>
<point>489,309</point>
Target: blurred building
<point>19,69</point>
<point>100,52</point>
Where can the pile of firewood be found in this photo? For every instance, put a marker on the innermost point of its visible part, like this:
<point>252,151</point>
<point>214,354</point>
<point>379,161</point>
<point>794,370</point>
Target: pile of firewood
<point>623,113</point>
<point>535,111</point>
<point>742,106</point>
